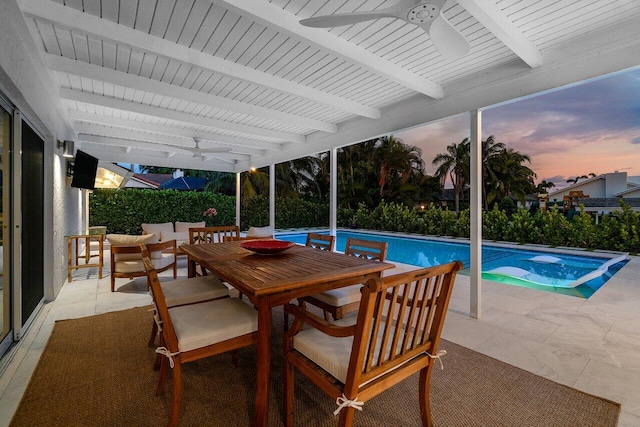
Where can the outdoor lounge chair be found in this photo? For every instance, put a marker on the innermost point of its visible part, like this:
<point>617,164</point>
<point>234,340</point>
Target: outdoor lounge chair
<point>125,258</point>
<point>197,331</point>
<point>396,334</point>
<point>345,300</point>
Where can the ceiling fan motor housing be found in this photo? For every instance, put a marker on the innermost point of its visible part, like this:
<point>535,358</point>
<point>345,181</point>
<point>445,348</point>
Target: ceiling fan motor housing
<point>423,13</point>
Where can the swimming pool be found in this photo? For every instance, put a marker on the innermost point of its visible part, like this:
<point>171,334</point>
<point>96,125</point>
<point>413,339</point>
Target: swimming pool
<point>576,275</point>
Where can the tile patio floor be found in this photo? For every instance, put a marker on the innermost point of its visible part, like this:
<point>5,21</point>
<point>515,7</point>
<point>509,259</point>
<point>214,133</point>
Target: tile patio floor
<point>592,345</point>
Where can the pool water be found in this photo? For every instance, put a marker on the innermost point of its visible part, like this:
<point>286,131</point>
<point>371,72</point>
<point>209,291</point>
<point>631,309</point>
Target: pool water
<point>552,272</point>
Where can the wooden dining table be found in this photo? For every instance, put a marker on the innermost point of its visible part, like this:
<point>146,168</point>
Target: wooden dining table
<point>273,280</point>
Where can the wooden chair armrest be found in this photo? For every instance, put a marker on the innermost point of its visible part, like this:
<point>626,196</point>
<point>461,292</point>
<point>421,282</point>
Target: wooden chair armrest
<point>135,249</point>
<point>163,246</point>
<point>303,316</point>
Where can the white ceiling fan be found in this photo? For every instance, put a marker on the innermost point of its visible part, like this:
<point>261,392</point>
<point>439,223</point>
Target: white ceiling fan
<point>197,151</point>
<point>426,14</point>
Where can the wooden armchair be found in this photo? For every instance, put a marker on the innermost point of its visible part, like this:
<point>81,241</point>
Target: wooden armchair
<point>126,261</point>
<point>396,334</point>
<point>341,301</point>
<point>197,331</point>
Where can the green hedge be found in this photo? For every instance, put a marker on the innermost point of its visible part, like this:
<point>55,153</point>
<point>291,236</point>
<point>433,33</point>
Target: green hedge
<point>619,231</point>
<point>125,211</point>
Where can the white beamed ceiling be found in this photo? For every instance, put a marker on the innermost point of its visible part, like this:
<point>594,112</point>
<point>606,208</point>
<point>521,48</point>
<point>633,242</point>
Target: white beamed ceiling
<point>140,79</point>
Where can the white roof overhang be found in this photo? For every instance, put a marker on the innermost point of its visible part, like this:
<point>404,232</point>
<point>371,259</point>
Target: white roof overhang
<point>141,81</point>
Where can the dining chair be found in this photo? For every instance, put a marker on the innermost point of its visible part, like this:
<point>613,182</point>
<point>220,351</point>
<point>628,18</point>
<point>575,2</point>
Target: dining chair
<point>396,334</point>
<point>185,292</point>
<point>192,332</point>
<point>323,242</point>
<point>215,234</point>
<point>345,300</point>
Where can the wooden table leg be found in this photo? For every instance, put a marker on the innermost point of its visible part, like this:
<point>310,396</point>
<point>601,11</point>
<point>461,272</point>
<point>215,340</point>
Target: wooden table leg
<point>69,254</point>
<point>191,268</point>
<point>264,366</point>
<point>100,258</point>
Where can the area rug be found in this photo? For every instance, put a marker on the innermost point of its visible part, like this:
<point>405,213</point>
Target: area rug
<point>97,371</point>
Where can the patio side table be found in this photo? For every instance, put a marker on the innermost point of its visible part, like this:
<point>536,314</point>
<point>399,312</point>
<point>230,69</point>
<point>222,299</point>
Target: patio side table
<point>73,252</point>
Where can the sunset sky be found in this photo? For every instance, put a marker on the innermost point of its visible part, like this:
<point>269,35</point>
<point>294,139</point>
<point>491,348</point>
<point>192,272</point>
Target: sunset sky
<point>591,127</point>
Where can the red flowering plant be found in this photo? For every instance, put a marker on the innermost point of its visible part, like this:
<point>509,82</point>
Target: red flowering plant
<point>211,212</point>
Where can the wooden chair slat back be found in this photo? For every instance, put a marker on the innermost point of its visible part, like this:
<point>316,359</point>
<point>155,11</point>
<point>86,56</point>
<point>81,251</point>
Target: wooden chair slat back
<point>323,242</point>
<point>215,234</point>
<point>169,334</point>
<point>366,249</point>
<point>400,318</point>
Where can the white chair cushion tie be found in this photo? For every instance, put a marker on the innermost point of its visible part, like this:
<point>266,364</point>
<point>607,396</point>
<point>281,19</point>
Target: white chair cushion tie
<point>343,402</point>
<point>437,356</point>
<point>165,352</point>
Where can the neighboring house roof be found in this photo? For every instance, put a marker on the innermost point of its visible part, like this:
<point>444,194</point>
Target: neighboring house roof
<point>154,179</point>
<point>576,185</point>
<point>185,183</point>
<point>609,202</point>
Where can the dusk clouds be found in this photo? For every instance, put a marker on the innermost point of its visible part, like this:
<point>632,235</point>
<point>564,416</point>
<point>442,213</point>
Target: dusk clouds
<point>591,127</point>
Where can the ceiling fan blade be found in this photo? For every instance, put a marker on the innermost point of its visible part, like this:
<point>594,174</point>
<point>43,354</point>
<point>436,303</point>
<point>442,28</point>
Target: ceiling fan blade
<point>449,42</point>
<point>338,20</point>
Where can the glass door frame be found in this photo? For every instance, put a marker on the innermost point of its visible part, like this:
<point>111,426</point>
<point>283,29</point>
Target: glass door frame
<point>7,275</point>
<point>20,327</point>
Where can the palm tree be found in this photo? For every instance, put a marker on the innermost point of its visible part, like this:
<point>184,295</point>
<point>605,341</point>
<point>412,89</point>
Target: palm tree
<point>454,164</point>
<point>252,184</point>
<point>395,162</point>
<point>297,177</point>
<point>513,177</point>
<point>578,178</point>
<point>490,151</point>
<point>543,186</point>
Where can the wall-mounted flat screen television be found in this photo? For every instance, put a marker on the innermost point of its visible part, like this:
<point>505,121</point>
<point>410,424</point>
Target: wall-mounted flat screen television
<point>85,167</point>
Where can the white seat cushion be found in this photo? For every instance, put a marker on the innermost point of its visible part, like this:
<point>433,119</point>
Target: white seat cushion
<point>331,353</point>
<point>157,229</point>
<point>260,232</point>
<point>179,236</point>
<point>136,265</point>
<point>341,296</point>
<point>132,240</point>
<point>190,291</point>
<point>200,325</point>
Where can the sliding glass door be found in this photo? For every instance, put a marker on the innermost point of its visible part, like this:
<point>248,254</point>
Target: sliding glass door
<point>32,219</point>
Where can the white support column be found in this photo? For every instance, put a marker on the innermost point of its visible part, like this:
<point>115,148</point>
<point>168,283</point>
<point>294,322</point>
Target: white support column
<point>272,196</point>
<point>333,192</point>
<point>238,197</point>
<point>475,297</point>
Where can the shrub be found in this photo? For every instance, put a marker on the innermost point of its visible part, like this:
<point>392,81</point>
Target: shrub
<point>553,227</point>
<point>522,228</point>
<point>582,231</point>
<point>494,224</point>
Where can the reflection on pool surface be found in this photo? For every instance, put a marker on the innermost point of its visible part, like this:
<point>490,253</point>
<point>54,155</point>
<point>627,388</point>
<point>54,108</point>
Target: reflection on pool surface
<point>576,275</point>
